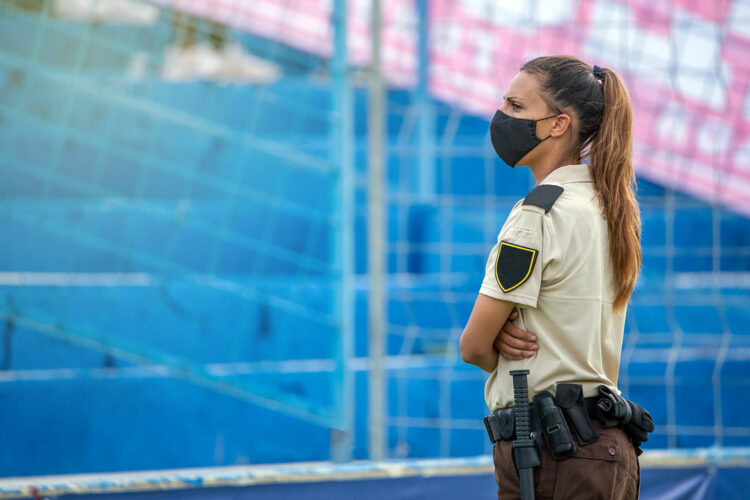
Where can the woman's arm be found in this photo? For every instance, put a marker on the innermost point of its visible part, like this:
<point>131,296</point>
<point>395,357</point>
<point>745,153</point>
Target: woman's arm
<point>477,341</point>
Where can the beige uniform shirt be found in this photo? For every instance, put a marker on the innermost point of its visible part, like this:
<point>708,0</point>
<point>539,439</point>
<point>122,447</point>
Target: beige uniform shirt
<point>566,300</point>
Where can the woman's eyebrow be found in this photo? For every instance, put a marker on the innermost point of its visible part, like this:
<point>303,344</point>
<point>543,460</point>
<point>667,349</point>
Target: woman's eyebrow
<point>513,98</point>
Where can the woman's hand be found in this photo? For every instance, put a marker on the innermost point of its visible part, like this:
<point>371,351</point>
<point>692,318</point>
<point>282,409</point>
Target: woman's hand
<point>514,343</point>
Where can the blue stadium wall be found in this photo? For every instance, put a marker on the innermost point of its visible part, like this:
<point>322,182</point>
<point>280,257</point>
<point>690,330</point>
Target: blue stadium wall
<point>92,419</point>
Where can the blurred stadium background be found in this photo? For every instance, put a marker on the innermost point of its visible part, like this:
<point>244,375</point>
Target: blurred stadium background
<point>197,198</point>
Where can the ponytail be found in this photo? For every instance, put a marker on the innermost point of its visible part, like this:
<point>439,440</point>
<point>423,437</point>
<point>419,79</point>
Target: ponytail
<point>610,154</point>
<point>604,135</point>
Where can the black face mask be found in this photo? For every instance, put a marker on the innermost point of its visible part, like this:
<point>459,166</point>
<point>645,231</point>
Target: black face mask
<point>513,138</point>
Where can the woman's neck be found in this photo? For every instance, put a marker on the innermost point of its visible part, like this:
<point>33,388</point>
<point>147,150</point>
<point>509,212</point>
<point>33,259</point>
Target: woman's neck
<point>544,167</point>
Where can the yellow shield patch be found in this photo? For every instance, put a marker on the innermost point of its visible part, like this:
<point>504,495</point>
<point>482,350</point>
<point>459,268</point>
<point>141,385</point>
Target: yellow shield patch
<point>514,265</point>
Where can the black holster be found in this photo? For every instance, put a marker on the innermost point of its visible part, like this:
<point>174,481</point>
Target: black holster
<point>553,426</point>
<point>570,398</point>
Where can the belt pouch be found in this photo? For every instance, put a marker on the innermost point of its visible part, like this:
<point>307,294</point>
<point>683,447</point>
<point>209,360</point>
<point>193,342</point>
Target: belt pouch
<point>500,425</point>
<point>569,397</point>
<point>554,428</point>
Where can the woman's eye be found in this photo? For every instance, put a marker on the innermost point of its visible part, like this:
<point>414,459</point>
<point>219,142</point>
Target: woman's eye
<point>515,106</point>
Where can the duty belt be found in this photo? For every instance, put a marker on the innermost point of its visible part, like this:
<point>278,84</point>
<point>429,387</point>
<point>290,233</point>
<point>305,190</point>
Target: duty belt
<point>547,419</point>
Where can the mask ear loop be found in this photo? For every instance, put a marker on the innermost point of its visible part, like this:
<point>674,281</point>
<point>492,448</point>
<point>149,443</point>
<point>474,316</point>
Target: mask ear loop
<point>540,119</point>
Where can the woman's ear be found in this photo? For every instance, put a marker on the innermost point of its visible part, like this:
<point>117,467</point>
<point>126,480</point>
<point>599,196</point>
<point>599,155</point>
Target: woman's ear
<point>561,124</point>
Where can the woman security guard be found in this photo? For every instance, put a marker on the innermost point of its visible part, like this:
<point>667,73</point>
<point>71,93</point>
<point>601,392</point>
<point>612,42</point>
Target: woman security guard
<point>566,259</point>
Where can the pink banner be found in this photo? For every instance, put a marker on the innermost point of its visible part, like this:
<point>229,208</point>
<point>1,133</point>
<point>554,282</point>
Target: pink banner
<point>685,63</point>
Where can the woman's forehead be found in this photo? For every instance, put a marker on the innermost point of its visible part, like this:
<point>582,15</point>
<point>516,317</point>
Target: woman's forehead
<point>524,86</point>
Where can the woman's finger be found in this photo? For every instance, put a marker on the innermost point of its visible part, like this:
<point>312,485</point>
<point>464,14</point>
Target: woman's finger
<point>518,333</point>
<point>509,351</point>
<point>505,352</point>
<point>516,342</point>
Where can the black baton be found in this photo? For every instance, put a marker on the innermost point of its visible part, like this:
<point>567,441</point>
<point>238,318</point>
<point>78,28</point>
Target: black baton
<point>527,456</point>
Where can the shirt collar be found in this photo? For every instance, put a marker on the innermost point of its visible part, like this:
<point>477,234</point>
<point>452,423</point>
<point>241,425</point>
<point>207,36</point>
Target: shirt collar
<point>568,173</point>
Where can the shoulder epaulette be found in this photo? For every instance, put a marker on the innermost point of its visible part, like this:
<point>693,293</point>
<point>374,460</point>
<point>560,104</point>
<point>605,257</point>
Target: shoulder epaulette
<point>543,196</point>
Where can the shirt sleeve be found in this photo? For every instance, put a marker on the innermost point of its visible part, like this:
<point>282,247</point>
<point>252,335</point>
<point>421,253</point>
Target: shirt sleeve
<point>514,268</point>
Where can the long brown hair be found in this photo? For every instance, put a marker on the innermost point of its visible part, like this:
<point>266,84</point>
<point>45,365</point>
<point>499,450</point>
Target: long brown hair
<point>603,123</point>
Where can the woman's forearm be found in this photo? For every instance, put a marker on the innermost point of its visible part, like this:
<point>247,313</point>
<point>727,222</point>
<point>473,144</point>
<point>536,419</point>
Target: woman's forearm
<point>487,361</point>
<point>477,343</point>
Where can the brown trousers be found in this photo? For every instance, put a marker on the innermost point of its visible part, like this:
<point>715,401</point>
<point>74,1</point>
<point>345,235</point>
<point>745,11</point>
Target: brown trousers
<point>604,470</point>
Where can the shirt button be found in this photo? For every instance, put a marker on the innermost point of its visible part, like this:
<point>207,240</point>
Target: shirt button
<point>612,451</point>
